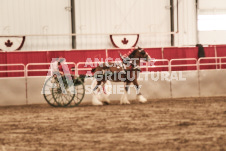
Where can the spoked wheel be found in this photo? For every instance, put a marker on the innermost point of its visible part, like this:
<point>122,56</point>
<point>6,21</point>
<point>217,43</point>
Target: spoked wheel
<point>79,92</point>
<point>47,92</point>
<point>62,94</point>
<point>57,95</point>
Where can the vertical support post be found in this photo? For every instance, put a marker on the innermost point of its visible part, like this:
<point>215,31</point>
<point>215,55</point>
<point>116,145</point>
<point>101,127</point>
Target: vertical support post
<point>197,32</point>
<point>162,51</point>
<point>178,17</point>
<point>215,54</point>
<point>106,53</point>
<point>73,30</point>
<point>26,75</point>
<point>172,21</point>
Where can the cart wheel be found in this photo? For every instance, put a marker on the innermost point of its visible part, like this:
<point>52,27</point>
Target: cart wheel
<point>79,93</point>
<point>63,96</point>
<point>47,92</point>
<point>57,95</point>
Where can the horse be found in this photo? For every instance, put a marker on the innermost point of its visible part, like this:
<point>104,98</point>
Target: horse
<point>127,72</point>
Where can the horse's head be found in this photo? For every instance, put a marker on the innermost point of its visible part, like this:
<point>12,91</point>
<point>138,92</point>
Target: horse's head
<point>140,53</point>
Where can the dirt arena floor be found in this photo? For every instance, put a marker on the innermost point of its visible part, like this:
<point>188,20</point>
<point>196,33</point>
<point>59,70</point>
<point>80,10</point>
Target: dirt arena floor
<point>157,125</point>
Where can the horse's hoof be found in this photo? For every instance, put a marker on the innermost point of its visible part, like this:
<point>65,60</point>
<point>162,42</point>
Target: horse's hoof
<point>95,101</point>
<point>124,103</point>
<point>141,99</point>
<point>105,100</point>
<point>97,104</point>
<point>106,103</point>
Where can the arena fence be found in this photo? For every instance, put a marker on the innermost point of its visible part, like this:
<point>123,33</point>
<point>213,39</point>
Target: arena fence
<point>168,53</point>
<point>199,82</point>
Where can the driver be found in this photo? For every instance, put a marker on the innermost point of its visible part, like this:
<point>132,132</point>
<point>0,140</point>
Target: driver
<point>60,69</point>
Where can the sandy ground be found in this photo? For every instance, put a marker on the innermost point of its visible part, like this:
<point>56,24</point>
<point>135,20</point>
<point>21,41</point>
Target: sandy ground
<point>157,125</point>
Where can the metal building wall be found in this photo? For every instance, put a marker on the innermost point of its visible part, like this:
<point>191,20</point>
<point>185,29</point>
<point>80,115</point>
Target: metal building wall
<point>187,23</point>
<point>212,7</point>
<point>122,16</point>
<point>37,17</point>
<point>96,16</point>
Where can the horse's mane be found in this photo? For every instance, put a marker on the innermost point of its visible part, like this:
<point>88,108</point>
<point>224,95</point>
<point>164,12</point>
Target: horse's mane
<point>133,53</point>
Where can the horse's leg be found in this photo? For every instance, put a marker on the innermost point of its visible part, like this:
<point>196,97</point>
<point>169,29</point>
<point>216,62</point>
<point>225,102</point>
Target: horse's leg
<point>105,98</point>
<point>140,97</point>
<point>95,100</point>
<point>124,98</point>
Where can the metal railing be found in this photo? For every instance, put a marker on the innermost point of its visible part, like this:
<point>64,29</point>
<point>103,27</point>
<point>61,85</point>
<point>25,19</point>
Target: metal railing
<point>157,66</point>
<point>13,71</point>
<point>169,65</point>
<point>220,63</point>
<point>40,64</point>
<point>146,66</point>
<point>95,64</point>
<point>85,69</point>
<point>183,64</point>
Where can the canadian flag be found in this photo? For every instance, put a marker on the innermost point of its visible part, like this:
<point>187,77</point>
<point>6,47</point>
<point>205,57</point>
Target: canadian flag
<point>124,41</point>
<point>11,43</point>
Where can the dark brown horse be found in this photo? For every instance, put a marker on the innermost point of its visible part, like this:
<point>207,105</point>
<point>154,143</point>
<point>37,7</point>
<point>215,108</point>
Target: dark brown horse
<point>127,72</point>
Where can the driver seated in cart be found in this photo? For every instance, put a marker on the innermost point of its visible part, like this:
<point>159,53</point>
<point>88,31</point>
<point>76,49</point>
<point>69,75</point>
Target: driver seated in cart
<point>60,69</point>
<point>57,67</point>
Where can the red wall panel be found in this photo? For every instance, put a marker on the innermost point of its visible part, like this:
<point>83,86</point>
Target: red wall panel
<point>82,55</point>
<point>3,60</point>
<point>85,55</point>
<point>209,51</point>
<point>155,53</point>
<point>221,51</point>
<point>114,53</point>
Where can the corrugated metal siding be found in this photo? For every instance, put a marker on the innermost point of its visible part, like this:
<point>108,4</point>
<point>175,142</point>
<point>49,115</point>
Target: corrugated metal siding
<point>96,16</point>
<point>187,23</point>
<point>37,17</point>
<point>212,4</point>
<point>122,16</point>
<point>210,7</point>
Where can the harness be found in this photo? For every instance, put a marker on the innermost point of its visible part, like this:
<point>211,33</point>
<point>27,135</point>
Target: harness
<point>126,60</point>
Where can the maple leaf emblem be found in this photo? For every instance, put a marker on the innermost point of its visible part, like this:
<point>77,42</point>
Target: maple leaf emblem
<point>8,43</point>
<point>125,41</point>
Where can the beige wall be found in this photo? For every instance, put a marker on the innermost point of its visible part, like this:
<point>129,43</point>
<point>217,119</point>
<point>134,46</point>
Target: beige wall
<point>204,83</point>
<point>12,91</point>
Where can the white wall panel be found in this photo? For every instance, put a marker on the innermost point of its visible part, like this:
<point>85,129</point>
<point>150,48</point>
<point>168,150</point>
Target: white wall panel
<point>96,16</point>
<point>34,89</point>
<point>188,86</point>
<point>37,17</point>
<point>117,16</point>
<point>215,34</point>
<point>211,83</point>
<point>154,87</point>
<point>212,4</point>
<point>212,37</point>
<point>187,23</point>
<point>13,91</point>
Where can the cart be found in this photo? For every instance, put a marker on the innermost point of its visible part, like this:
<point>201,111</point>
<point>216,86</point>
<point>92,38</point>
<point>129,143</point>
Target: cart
<point>60,92</point>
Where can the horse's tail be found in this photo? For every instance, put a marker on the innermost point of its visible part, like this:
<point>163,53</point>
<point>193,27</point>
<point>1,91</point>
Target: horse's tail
<point>93,70</point>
